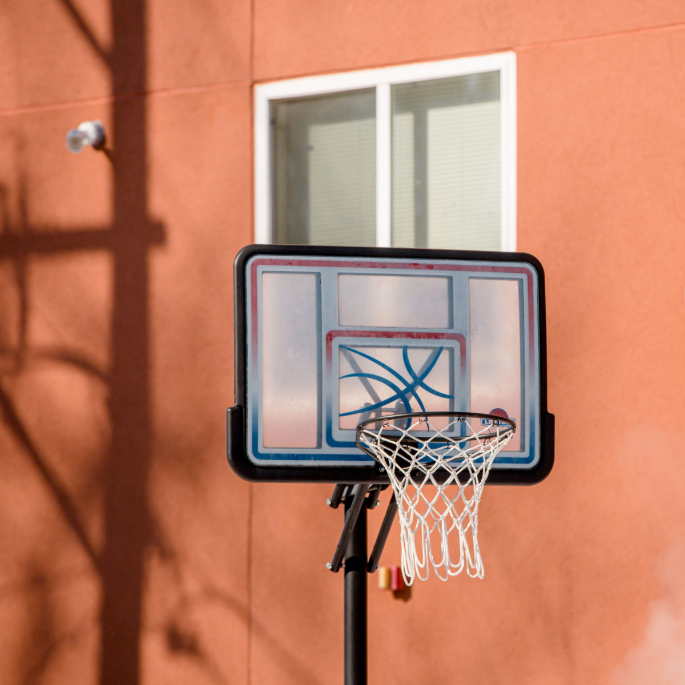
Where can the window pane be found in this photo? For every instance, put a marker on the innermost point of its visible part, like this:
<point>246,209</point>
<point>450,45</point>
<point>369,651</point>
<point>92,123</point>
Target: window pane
<point>446,163</point>
<point>324,171</point>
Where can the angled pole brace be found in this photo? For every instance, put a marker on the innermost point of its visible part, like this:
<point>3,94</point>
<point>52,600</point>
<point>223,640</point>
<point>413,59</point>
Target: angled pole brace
<point>358,494</point>
<point>382,535</point>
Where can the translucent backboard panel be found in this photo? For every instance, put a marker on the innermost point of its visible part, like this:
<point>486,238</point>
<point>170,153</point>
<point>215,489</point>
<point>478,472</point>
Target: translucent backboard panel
<point>394,379</point>
<point>290,331</point>
<point>329,337</point>
<point>495,348</point>
<point>393,301</point>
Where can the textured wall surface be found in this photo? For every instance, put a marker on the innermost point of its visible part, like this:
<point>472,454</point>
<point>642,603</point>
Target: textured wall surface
<point>130,554</point>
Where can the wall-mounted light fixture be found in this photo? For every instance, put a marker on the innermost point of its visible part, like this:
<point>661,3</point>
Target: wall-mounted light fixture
<point>88,133</point>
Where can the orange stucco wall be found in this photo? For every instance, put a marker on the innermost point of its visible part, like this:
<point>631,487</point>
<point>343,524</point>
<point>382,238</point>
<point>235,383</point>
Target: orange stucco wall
<point>129,552</point>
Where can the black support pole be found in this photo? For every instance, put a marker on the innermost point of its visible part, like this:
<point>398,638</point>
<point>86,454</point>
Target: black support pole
<point>355,602</point>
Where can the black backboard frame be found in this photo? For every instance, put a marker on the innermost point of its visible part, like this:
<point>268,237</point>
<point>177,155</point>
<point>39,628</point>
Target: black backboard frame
<point>235,416</point>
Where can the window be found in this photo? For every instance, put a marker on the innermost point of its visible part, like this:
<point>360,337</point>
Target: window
<point>415,156</point>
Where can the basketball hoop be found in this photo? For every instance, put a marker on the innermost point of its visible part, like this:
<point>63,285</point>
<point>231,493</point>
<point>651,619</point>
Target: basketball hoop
<point>437,463</point>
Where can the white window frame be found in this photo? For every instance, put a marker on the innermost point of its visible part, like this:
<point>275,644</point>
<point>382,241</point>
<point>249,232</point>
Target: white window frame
<point>381,80</point>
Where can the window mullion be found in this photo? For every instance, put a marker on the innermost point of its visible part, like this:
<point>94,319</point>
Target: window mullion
<point>508,152</point>
<point>262,160</point>
<point>383,166</point>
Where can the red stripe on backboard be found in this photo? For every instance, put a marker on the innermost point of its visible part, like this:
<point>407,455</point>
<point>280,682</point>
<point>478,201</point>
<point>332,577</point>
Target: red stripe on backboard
<point>389,265</point>
<point>392,265</point>
<point>411,335</point>
<point>531,328</point>
<point>254,314</point>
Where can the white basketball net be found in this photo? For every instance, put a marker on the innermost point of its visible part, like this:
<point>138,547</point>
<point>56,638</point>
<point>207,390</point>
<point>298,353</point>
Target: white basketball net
<point>417,456</point>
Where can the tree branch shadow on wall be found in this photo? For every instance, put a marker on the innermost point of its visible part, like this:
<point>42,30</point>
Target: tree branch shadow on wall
<point>127,517</point>
<point>130,531</point>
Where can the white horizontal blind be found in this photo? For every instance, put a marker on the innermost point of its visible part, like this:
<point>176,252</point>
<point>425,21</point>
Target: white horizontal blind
<point>342,183</point>
<point>447,163</point>
<point>464,177</point>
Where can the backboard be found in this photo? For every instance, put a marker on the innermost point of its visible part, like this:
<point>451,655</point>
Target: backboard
<point>326,337</point>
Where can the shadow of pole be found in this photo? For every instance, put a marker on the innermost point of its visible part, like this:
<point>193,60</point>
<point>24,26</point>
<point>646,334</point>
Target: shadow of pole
<point>127,516</point>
